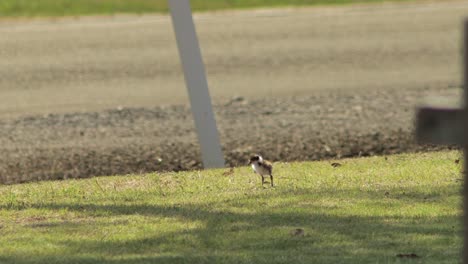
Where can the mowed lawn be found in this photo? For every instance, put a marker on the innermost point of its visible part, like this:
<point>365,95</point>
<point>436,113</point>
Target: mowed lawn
<point>28,8</point>
<point>367,210</point>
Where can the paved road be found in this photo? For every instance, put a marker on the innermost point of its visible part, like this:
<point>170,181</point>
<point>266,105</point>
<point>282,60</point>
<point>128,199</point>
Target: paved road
<point>90,64</point>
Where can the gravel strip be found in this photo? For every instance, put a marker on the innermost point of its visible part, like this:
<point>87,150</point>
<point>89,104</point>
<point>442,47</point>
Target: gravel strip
<point>136,140</point>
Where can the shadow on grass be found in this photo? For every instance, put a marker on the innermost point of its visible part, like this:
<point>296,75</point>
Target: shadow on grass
<point>228,236</point>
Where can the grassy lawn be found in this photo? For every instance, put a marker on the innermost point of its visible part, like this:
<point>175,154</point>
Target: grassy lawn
<point>366,211</point>
<point>14,8</point>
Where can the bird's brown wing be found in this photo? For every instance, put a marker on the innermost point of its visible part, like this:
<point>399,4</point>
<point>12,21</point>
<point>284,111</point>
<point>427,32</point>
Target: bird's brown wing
<point>267,165</point>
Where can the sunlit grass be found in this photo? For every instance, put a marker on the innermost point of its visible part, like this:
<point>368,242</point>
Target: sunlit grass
<point>366,211</point>
<point>30,8</point>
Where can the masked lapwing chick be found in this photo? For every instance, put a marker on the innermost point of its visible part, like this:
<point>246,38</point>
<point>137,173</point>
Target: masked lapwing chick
<point>262,167</point>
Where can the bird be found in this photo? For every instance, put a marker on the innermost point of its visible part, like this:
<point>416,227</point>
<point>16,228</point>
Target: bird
<point>262,167</point>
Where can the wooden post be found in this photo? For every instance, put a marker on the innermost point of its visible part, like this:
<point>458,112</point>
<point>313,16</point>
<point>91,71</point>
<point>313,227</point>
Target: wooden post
<point>465,142</point>
<point>197,85</point>
<point>449,125</point>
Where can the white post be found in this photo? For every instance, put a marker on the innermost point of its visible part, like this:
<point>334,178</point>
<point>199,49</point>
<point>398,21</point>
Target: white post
<point>197,85</point>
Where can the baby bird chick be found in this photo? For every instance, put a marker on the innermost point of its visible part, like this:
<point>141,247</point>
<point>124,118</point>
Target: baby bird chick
<point>262,167</point>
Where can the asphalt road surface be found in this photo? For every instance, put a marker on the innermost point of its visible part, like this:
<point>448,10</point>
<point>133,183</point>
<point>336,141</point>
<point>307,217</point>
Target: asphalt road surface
<point>86,64</point>
<point>105,95</point>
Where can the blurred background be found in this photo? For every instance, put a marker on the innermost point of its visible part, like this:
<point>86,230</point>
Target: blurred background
<point>96,88</point>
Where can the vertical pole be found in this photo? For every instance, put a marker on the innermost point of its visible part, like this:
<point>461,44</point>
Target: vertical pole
<point>465,144</point>
<point>197,85</point>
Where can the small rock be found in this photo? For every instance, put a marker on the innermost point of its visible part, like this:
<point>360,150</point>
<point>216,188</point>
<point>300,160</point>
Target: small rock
<point>336,164</point>
<point>229,172</point>
<point>357,108</point>
<point>298,232</point>
<point>237,99</point>
<point>410,255</point>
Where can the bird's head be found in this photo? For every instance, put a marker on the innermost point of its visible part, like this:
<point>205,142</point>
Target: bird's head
<point>255,158</point>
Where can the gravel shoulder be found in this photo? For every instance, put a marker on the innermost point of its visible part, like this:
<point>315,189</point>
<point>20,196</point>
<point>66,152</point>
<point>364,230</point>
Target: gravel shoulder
<point>133,140</point>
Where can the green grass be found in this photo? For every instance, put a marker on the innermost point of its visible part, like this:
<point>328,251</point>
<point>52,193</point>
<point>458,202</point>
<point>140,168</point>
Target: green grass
<point>366,211</point>
<point>29,8</point>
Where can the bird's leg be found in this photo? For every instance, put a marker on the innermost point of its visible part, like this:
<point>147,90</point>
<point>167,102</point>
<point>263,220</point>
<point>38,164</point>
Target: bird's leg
<point>263,180</point>
<point>271,178</point>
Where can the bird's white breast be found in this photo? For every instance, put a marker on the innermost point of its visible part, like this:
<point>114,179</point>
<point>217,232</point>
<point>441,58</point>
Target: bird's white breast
<point>259,169</point>
<point>255,166</point>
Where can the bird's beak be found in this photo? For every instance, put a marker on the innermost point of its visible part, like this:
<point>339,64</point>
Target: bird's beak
<point>250,162</point>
